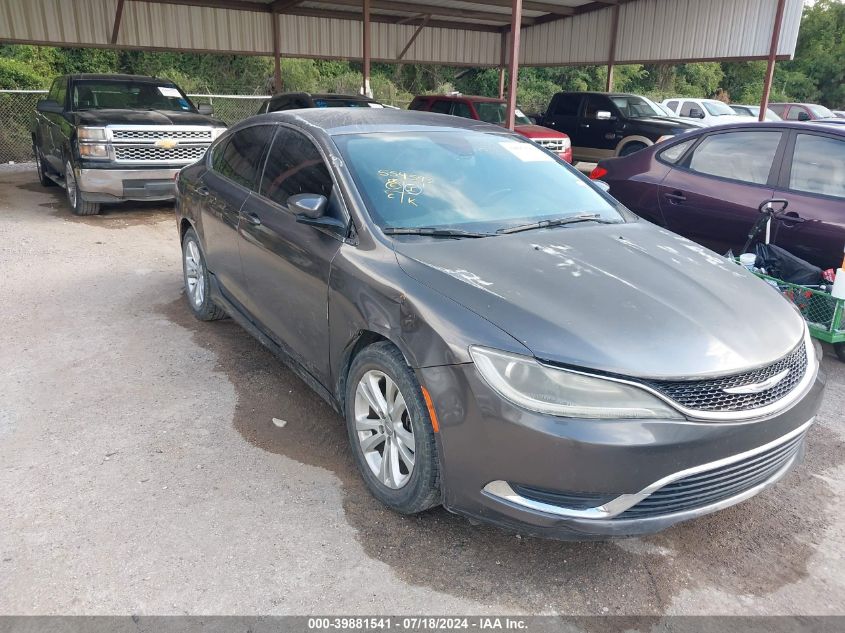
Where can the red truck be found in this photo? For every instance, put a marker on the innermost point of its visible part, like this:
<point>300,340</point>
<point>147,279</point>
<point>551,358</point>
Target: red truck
<point>494,111</point>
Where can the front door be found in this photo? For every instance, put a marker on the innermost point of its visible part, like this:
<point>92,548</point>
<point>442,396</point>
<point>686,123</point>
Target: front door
<point>596,133</point>
<point>287,264</point>
<point>713,197</point>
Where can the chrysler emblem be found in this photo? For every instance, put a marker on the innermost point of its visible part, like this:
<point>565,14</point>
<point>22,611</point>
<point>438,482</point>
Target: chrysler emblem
<point>167,143</point>
<point>758,387</point>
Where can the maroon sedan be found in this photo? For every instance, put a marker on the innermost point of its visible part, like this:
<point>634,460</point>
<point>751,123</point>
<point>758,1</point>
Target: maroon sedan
<point>707,185</point>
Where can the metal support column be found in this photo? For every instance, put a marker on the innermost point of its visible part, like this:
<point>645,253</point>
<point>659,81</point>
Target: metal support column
<point>516,23</point>
<point>503,48</point>
<point>277,62</point>
<point>611,54</point>
<point>365,88</point>
<point>770,67</point>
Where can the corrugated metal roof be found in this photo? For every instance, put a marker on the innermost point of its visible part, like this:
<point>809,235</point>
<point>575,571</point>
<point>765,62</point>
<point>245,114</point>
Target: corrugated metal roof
<point>649,30</point>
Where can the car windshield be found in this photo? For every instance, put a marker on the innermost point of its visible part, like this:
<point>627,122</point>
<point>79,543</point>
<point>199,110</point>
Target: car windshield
<point>820,112</point>
<point>717,108</point>
<point>466,180</point>
<point>637,107</point>
<point>495,112</point>
<point>129,95</point>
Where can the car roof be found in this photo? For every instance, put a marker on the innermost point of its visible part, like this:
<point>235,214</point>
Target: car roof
<point>820,126</point>
<point>322,95</point>
<point>337,121</point>
<point>114,76</point>
<point>462,98</point>
<point>598,92</point>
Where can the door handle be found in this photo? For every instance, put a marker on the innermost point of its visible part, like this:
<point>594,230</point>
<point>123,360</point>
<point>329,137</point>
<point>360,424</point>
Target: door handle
<point>675,197</point>
<point>202,191</point>
<point>253,219</point>
<point>792,218</point>
<point>585,125</point>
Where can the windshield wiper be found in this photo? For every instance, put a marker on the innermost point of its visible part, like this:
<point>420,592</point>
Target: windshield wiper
<point>432,232</point>
<point>570,219</point>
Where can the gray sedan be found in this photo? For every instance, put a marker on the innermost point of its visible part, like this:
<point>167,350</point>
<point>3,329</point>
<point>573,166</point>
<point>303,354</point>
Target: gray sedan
<point>500,335</point>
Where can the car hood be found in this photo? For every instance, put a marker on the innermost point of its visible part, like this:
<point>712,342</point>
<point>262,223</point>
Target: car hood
<point>537,131</point>
<point>143,117</point>
<point>630,299</point>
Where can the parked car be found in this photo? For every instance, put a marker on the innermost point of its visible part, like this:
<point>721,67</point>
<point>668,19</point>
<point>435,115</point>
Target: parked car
<point>802,111</point>
<point>708,186</point>
<point>500,335</point>
<point>840,114</point>
<point>110,138</point>
<point>296,100</point>
<point>495,111</point>
<point>707,111</point>
<point>602,125</point>
<point>753,111</point>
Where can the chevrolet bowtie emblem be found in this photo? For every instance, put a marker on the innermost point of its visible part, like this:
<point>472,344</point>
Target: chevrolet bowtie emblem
<point>758,387</point>
<point>167,143</point>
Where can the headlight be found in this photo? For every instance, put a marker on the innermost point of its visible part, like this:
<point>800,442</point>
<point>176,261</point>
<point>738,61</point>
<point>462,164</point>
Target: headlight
<point>566,144</point>
<point>527,383</point>
<point>216,132</point>
<point>93,150</point>
<point>91,134</point>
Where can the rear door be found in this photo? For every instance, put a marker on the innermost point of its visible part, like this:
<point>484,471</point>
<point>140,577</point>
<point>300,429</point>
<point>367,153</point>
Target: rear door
<point>234,170</point>
<point>713,196</point>
<point>813,182</point>
<point>563,115</point>
<point>286,263</point>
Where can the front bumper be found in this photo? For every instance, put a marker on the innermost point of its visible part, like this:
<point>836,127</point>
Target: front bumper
<point>490,448</point>
<point>116,185</point>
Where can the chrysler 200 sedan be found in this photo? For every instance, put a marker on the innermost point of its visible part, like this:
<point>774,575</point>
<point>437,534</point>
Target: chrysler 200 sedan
<point>500,335</point>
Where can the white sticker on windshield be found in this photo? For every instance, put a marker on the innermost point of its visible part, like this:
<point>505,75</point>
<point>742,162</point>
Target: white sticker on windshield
<point>169,92</point>
<point>526,152</point>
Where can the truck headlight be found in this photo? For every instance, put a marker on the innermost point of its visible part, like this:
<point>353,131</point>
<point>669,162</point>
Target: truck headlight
<point>93,150</point>
<point>216,132</point>
<point>529,384</point>
<point>91,134</point>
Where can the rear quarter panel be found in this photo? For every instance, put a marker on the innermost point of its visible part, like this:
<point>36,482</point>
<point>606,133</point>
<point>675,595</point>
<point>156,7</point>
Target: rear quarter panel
<point>635,181</point>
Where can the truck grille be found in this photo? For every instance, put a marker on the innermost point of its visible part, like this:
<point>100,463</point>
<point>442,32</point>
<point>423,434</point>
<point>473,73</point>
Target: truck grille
<point>553,144</point>
<point>151,153</point>
<point>711,486</point>
<point>148,143</point>
<point>710,395</point>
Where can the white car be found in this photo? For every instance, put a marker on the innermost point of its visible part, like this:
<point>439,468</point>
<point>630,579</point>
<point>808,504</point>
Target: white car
<point>707,111</point>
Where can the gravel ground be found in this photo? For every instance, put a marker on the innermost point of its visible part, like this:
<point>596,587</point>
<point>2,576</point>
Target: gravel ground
<point>140,471</point>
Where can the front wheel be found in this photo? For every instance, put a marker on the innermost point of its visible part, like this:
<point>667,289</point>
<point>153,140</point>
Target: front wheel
<point>197,282</point>
<point>74,196</point>
<point>390,431</point>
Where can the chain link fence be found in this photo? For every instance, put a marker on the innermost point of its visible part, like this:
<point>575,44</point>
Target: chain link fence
<point>17,114</point>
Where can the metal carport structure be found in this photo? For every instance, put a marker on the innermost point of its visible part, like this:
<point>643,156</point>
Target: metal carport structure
<point>479,33</point>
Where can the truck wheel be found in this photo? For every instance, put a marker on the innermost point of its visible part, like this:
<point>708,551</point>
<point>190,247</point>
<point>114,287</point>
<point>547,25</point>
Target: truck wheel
<point>631,148</point>
<point>43,178</point>
<point>839,348</point>
<point>74,197</point>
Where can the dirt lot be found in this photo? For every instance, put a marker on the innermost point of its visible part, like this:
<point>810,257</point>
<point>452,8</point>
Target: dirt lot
<point>140,471</point>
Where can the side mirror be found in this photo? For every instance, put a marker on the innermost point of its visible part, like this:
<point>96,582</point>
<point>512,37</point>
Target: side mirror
<point>601,184</point>
<point>49,105</point>
<point>803,116</point>
<point>604,115</point>
<point>695,113</point>
<point>533,120</point>
<point>310,209</point>
<point>206,109</point>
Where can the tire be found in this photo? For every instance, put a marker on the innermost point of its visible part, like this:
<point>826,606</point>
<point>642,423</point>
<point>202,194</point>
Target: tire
<point>405,489</point>
<point>74,198</point>
<point>43,178</point>
<point>839,348</point>
<point>197,280</point>
<point>632,148</point>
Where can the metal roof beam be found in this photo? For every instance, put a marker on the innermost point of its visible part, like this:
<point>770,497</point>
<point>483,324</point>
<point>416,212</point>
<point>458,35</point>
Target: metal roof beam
<point>543,7</point>
<point>357,16</point>
<point>467,14</point>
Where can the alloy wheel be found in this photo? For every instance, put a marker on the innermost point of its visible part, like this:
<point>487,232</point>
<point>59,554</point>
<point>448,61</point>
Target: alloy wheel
<point>70,185</point>
<point>194,274</point>
<point>384,430</point>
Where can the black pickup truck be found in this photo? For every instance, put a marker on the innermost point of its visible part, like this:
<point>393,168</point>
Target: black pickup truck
<point>109,138</point>
<point>604,125</point>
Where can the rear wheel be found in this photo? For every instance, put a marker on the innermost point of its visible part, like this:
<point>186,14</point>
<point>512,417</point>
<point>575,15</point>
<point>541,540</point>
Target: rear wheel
<point>197,282</point>
<point>390,430</point>
<point>632,148</point>
<point>43,178</point>
<point>74,196</point>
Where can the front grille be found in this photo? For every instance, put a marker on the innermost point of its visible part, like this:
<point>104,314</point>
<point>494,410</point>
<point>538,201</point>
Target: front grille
<point>709,395</point>
<point>142,153</point>
<point>717,484</point>
<point>552,144</point>
<point>141,134</point>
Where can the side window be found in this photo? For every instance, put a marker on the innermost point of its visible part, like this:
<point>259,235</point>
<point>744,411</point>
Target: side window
<point>294,165</point>
<point>441,107</point>
<point>777,108</point>
<point>567,105</point>
<point>54,90</point>
<point>61,92</point>
<point>277,104</point>
<point>687,107</point>
<point>818,165</point>
<point>461,109</point>
<point>673,154</point>
<point>240,158</point>
<point>595,103</point>
<point>672,105</point>
<point>418,104</point>
<point>743,156</point>
<point>794,114</point>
